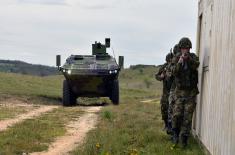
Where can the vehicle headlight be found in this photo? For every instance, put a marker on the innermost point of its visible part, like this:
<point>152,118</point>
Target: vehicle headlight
<point>69,72</point>
<point>113,71</point>
<point>64,70</point>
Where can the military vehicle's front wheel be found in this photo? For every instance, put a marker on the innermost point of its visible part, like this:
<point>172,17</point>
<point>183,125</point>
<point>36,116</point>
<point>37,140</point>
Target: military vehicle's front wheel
<point>69,98</point>
<point>115,92</point>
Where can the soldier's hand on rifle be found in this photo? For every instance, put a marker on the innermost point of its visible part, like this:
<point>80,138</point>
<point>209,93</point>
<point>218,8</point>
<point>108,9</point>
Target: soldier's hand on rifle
<point>185,56</point>
<point>181,59</point>
<point>168,74</point>
<point>162,75</point>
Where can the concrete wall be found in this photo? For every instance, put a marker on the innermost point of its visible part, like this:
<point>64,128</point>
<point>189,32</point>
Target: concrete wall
<point>214,122</point>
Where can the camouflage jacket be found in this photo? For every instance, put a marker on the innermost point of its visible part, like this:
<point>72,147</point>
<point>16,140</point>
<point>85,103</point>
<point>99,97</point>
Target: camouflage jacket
<point>173,85</point>
<point>167,80</point>
<point>186,76</point>
<point>172,66</point>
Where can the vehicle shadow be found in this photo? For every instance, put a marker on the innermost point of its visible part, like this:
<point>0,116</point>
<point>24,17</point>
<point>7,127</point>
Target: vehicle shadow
<point>47,100</point>
<point>98,104</point>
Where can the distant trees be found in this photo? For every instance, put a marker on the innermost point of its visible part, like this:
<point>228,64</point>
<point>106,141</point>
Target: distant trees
<point>141,66</point>
<point>26,68</point>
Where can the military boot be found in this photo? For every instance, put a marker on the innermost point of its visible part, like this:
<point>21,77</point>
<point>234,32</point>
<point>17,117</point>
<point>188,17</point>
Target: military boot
<point>165,126</point>
<point>175,138</point>
<point>169,129</point>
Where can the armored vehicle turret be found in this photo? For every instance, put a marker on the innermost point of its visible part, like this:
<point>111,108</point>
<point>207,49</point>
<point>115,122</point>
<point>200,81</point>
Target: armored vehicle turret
<point>93,75</point>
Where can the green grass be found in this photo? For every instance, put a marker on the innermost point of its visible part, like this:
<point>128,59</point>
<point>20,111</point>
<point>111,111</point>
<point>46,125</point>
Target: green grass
<point>26,85</point>
<point>133,127</point>
<point>140,79</point>
<point>10,112</point>
<point>35,135</point>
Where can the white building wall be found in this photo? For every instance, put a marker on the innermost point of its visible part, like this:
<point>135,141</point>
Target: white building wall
<point>215,114</point>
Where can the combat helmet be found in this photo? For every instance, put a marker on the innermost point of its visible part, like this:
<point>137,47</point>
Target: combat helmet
<point>169,56</point>
<point>185,43</point>
<point>176,49</point>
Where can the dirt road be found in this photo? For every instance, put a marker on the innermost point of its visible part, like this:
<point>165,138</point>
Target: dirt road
<point>4,124</point>
<point>76,133</point>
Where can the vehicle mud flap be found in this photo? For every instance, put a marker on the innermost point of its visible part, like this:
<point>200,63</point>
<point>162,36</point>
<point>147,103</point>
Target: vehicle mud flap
<point>115,92</point>
<point>69,98</point>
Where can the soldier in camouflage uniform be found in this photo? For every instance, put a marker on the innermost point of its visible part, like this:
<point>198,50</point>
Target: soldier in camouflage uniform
<point>186,79</point>
<point>171,99</point>
<point>162,76</point>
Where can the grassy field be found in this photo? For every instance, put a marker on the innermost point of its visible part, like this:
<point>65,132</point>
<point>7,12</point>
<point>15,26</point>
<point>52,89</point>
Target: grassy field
<point>131,128</point>
<point>134,127</point>
<point>30,86</point>
<point>35,135</point>
<point>138,83</point>
<point>7,112</point>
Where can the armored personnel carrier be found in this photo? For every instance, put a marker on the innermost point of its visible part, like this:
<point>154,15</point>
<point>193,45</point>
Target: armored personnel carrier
<point>93,75</point>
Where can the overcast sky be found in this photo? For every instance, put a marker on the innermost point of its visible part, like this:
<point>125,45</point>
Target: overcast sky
<point>141,30</point>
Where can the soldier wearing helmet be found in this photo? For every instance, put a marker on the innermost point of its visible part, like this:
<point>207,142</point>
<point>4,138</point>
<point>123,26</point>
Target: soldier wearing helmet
<point>186,79</point>
<point>164,76</point>
<point>176,49</point>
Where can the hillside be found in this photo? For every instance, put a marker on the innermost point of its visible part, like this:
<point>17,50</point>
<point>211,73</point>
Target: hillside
<point>12,66</point>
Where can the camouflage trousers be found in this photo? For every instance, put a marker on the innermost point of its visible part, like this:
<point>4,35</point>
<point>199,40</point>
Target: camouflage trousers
<point>164,107</point>
<point>171,100</point>
<point>182,114</point>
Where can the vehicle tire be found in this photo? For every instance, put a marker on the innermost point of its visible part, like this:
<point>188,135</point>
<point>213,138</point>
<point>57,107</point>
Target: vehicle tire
<point>115,92</point>
<point>69,98</point>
